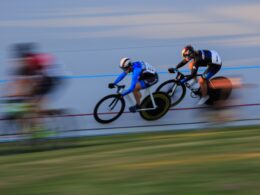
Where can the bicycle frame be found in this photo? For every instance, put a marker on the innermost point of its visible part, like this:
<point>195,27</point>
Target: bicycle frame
<point>187,85</point>
<point>120,89</point>
<point>148,91</point>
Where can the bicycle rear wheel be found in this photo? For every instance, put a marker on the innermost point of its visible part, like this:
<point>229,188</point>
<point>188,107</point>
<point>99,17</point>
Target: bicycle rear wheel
<point>219,89</point>
<point>109,108</point>
<point>175,92</point>
<point>163,103</point>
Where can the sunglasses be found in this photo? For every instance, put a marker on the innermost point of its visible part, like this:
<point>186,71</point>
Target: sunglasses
<point>127,68</point>
<point>188,55</point>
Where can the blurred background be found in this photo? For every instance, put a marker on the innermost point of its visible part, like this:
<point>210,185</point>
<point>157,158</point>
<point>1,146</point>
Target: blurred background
<point>87,39</point>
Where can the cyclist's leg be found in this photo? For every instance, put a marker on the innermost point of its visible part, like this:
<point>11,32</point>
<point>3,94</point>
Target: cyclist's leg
<point>40,97</point>
<point>209,73</point>
<point>42,91</point>
<point>203,86</point>
<point>142,84</point>
<point>137,96</point>
<point>137,93</point>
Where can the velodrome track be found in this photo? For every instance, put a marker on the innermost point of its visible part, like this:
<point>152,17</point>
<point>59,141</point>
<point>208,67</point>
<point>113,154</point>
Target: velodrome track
<point>90,37</point>
<point>244,109</point>
<point>244,106</point>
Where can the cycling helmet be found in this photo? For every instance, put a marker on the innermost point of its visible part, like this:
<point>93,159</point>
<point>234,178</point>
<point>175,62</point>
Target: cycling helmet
<point>125,63</point>
<point>187,52</point>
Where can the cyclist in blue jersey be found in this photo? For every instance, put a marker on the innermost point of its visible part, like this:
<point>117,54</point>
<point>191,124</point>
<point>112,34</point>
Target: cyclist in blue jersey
<point>143,76</point>
<point>198,58</point>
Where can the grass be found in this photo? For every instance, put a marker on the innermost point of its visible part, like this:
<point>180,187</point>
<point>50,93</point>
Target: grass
<point>220,161</point>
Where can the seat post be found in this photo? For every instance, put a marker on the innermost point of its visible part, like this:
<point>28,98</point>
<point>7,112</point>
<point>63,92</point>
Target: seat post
<point>151,96</point>
<point>129,100</point>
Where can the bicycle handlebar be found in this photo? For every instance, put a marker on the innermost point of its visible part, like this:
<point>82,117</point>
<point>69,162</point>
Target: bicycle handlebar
<point>119,87</point>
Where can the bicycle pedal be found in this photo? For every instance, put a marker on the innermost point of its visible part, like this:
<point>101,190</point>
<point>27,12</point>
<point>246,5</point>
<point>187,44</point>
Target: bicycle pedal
<point>133,110</point>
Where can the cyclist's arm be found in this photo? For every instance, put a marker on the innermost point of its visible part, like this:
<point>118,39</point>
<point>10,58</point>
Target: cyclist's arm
<point>193,73</point>
<point>135,76</point>
<point>120,77</point>
<point>181,64</point>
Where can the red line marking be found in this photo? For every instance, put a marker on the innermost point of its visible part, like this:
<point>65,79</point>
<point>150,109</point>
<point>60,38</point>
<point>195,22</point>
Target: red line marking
<point>172,109</point>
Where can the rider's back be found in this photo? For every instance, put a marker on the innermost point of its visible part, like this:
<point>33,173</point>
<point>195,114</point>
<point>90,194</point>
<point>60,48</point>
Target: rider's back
<point>207,57</point>
<point>147,70</point>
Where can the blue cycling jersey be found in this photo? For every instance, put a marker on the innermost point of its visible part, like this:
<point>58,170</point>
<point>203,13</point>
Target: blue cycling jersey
<point>138,68</point>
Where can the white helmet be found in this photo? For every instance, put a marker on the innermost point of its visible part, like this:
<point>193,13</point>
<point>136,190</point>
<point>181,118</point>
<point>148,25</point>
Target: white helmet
<point>125,63</point>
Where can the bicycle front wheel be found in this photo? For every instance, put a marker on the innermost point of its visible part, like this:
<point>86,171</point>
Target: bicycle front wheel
<point>109,108</point>
<point>175,92</point>
<point>162,102</point>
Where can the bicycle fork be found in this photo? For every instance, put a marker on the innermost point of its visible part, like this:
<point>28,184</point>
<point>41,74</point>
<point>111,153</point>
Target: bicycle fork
<point>173,90</point>
<point>113,104</point>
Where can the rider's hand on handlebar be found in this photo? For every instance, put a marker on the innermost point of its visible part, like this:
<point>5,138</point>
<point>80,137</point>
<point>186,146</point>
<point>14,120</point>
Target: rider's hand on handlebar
<point>111,85</point>
<point>171,70</point>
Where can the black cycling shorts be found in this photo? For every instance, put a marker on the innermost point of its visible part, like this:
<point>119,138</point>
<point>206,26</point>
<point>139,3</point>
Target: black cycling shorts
<point>46,85</point>
<point>211,71</point>
<point>149,81</point>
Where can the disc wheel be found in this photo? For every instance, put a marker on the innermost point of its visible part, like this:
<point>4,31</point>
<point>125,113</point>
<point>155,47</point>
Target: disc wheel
<point>162,102</point>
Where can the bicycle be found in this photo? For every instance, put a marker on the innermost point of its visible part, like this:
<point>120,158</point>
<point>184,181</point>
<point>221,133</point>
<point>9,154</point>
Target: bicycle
<point>110,107</point>
<point>177,91</point>
<point>20,119</point>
